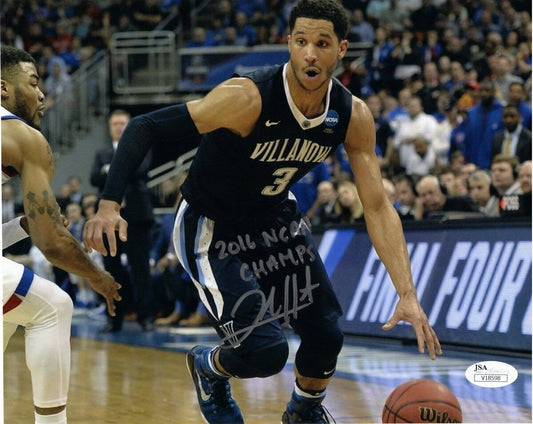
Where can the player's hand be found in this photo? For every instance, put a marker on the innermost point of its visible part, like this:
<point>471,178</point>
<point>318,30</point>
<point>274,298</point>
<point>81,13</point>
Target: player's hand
<point>106,221</point>
<point>408,309</point>
<point>106,285</point>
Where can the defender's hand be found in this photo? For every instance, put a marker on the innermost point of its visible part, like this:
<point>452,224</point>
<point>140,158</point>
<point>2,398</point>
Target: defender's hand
<point>106,285</point>
<point>106,221</point>
<point>408,309</point>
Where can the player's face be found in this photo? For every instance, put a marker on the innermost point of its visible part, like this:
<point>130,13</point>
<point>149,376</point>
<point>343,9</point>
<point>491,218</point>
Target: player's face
<point>314,52</point>
<point>27,101</point>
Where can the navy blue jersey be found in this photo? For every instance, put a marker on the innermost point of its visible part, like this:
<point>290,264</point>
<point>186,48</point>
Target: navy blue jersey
<point>234,178</point>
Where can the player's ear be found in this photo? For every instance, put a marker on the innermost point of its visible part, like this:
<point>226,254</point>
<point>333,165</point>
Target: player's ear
<point>4,89</point>
<point>343,47</point>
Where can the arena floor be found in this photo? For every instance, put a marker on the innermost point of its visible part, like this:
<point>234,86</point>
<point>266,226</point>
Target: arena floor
<point>140,378</point>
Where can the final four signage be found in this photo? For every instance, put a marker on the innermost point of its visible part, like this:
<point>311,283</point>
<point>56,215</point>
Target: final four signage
<point>474,284</point>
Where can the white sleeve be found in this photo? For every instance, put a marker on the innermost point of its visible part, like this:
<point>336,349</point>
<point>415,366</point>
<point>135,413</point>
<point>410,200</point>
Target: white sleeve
<point>12,232</point>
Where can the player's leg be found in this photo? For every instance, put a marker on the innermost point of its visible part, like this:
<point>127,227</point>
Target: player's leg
<point>46,313</point>
<point>321,342</point>
<point>234,305</point>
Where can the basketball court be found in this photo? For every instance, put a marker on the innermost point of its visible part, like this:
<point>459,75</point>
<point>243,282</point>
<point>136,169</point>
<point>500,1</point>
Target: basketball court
<point>140,378</point>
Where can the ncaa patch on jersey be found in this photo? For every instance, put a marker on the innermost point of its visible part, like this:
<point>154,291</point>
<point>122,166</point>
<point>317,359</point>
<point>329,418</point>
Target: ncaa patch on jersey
<point>332,118</point>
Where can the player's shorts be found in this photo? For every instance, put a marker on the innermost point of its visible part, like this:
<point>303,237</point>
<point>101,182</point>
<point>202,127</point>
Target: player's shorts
<point>16,281</point>
<point>252,281</point>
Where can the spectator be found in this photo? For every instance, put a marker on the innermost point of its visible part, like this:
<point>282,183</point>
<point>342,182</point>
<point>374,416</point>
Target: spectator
<point>138,211</point>
<point>519,203</point>
<point>443,132</point>
<point>361,30</point>
<point>406,195</point>
<point>10,207</point>
<point>447,178</point>
<point>146,14</point>
<point>88,205</point>
<point>375,9</point>
<point>444,69</point>
<point>230,37</point>
<point>431,89</point>
<point>419,124</point>
<point>323,210</point>
<point>436,201</point>
<point>432,47</point>
<point>400,112</point>
<point>517,96</point>
<point>350,78</point>
<point>395,17</point>
<point>378,61</point>
<point>457,78</point>
<point>215,34</point>
<point>502,76</point>
<point>514,140</point>
<point>483,194</point>
<point>425,18</point>
<point>199,38</point>
<point>348,205</point>
<point>58,81</point>
<point>80,289</point>
<point>483,121</point>
<point>422,160</point>
<point>456,51</point>
<point>504,171</point>
<point>246,35</point>
<point>523,59</point>
<point>407,56</point>
<point>524,176</point>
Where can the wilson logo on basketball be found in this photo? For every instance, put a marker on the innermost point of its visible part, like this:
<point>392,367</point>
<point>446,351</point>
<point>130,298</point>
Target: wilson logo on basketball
<point>432,415</point>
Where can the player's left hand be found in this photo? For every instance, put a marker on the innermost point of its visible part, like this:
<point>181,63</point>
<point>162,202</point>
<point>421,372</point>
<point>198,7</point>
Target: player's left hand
<point>409,309</point>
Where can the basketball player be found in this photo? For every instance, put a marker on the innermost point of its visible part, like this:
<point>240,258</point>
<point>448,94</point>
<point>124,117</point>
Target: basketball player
<point>238,231</point>
<point>29,300</point>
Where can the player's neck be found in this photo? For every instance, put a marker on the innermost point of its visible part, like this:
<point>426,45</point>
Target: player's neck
<point>310,103</point>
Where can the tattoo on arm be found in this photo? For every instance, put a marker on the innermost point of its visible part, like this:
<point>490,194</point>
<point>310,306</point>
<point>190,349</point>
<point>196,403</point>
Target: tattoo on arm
<point>45,206</point>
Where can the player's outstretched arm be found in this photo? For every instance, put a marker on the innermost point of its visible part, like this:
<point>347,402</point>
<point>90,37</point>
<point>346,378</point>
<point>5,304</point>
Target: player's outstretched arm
<point>180,122</point>
<point>32,157</point>
<point>384,226</point>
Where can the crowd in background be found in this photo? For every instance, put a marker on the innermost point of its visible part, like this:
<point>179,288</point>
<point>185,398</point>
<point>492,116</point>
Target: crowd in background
<point>448,83</point>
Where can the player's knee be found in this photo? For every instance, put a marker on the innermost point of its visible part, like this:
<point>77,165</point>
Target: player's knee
<point>317,355</point>
<point>259,363</point>
<point>63,305</point>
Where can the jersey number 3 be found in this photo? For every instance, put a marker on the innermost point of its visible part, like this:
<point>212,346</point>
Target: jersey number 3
<point>285,175</point>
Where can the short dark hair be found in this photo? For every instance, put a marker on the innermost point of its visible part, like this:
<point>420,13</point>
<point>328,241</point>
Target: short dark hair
<point>118,112</point>
<point>329,10</point>
<point>512,106</point>
<point>10,59</point>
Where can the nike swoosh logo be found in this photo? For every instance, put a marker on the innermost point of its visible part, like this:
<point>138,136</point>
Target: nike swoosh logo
<point>205,397</point>
<point>329,372</point>
<point>269,124</point>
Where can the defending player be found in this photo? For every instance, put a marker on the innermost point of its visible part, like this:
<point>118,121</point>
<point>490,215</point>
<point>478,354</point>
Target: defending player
<point>29,300</point>
<point>239,233</point>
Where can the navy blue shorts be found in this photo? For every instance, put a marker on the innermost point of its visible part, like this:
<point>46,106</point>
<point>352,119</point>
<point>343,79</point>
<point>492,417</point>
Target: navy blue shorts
<point>254,280</point>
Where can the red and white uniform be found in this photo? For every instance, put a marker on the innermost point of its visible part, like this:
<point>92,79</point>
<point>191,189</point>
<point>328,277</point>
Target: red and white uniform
<point>43,309</point>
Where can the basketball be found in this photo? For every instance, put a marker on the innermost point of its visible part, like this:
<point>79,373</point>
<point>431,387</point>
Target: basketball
<point>422,401</point>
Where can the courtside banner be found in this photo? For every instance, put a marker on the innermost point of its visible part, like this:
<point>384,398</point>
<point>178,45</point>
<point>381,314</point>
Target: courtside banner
<point>473,283</point>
